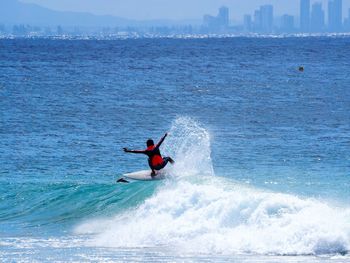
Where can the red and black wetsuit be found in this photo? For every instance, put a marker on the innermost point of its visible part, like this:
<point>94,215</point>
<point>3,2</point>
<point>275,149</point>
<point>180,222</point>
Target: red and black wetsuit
<point>154,156</point>
<point>155,159</point>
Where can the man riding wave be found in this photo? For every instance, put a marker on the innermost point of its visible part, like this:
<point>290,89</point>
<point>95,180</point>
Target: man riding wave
<point>155,160</point>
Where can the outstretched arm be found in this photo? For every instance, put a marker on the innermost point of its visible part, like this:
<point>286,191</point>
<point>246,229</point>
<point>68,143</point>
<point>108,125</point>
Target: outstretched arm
<point>161,141</point>
<point>132,151</point>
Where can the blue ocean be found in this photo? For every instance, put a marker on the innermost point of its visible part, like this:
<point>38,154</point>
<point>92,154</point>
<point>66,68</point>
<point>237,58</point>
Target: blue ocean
<point>261,150</point>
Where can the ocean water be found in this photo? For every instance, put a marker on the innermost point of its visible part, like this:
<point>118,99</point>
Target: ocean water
<point>262,150</point>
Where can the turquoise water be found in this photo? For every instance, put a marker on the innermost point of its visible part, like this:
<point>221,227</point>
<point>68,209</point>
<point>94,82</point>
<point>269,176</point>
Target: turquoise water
<point>261,149</point>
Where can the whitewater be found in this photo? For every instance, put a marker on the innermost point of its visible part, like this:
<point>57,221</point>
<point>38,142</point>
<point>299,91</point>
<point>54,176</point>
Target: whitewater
<point>195,211</point>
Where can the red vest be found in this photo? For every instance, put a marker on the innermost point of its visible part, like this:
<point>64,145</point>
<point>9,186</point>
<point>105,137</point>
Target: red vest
<point>155,159</point>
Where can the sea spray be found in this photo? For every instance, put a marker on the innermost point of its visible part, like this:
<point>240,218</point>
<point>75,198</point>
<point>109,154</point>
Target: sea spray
<point>189,145</point>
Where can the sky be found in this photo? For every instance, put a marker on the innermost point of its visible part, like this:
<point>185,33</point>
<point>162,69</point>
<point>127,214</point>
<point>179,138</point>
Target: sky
<point>174,9</point>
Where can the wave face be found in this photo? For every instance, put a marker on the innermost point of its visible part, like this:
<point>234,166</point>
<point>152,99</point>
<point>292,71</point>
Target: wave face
<point>195,211</point>
<point>55,207</point>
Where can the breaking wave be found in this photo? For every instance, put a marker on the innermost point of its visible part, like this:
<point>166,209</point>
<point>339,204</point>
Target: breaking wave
<point>196,211</point>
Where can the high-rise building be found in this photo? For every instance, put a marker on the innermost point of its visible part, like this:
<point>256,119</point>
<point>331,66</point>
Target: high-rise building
<point>208,21</point>
<point>317,18</point>
<point>266,12</point>
<point>304,15</point>
<point>335,19</point>
<point>247,23</point>
<point>347,22</point>
<point>217,23</point>
<point>257,21</point>
<point>223,16</point>
<point>287,23</point>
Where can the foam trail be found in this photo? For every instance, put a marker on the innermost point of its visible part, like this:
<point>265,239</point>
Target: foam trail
<point>206,214</point>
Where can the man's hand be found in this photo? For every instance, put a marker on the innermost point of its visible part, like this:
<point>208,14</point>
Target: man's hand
<point>126,149</point>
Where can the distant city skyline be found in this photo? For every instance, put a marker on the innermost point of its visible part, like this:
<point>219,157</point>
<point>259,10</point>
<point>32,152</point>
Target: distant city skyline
<point>25,19</point>
<point>312,19</point>
<point>181,9</point>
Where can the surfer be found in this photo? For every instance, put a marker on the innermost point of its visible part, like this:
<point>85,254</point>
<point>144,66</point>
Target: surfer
<point>155,160</point>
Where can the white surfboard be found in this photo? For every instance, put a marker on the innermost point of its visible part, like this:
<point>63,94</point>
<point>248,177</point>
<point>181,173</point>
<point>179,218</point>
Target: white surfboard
<point>145,175</point>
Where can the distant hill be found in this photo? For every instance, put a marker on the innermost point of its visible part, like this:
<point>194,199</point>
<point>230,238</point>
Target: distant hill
<point>15,12</point>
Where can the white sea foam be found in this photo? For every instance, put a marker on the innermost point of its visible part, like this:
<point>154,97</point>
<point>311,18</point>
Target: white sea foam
<point>209,214</point>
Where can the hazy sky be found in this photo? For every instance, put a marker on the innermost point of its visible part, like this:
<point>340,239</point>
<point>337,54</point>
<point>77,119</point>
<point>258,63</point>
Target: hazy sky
<point>174,9</point>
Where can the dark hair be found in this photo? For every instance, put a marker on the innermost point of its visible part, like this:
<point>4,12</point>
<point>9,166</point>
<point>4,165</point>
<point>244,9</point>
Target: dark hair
<point>150,142</point>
